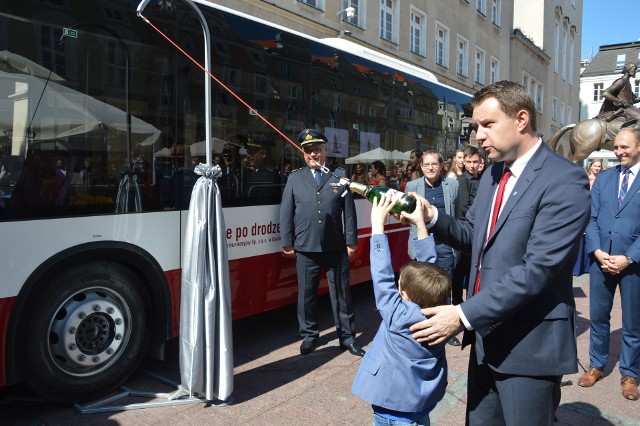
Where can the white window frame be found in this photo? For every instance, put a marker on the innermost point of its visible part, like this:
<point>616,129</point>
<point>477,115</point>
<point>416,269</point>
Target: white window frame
<point>556,46</point>
<point>636,88</point>
<point>494,70</point>
<point>388,19</point>
<point>564,51</point>
<point>442,45</point>
<point>358,18</point>
<point>495,12</point>
<point>620,60</point>
<point>569,115</point>
<point>479,66</point>
<point>462,56</point>
<point>598,90</point>
<point>417,31</point>
<point>554,109</point>
<point>539,99</point>
<point>481,6</point>
<point>572,47</point>
<point>318,4</point>
<point>562,113</point>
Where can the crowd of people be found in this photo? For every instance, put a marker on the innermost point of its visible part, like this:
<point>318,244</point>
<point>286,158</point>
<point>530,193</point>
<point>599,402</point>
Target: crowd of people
<point>510,234</point>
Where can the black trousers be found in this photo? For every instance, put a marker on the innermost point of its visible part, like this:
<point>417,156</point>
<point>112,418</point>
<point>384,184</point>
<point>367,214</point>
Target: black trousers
<point>504,399</point>
<point>336,265</point>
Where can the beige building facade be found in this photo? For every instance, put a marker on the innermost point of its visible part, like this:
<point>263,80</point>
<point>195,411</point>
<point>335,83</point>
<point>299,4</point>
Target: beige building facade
<point>467,44</point>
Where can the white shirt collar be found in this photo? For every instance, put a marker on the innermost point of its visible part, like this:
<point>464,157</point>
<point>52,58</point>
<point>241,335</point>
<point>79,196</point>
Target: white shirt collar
<point>518,166</point>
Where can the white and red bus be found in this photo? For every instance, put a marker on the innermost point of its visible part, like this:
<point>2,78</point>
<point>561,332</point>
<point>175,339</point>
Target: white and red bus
<point>101,122</point>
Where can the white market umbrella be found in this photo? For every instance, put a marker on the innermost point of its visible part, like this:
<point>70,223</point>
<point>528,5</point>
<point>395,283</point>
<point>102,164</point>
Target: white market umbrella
<point>56,111</point>
<point>13,63</point>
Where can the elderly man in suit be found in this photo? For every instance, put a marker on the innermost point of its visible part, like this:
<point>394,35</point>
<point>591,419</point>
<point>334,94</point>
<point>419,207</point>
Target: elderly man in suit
<point>319,227</point>
<point>612,239</point>
<point>441,192</point>
<point>523,232</point>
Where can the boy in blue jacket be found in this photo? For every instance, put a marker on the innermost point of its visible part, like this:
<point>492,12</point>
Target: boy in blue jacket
<point>401,378</point>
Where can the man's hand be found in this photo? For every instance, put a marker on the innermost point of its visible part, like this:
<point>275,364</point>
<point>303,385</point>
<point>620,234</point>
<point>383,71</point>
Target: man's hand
<point>288,251</point>
<point>444,323</point>
<point>427,211</point>
<point>351,251</point>
<point>618,264</point>
<point>605,260</point>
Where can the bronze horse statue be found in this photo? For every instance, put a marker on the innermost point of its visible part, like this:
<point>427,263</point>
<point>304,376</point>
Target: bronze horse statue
<point>588,136</point>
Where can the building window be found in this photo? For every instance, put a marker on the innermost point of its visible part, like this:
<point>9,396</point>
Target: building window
<point>620,58</point>
<point>494,70</point>
<point>355,20</point>
<point>539,98</point>
<point>479,67</point>
<point>554,109</point>
<point>417,32</point>
<point>442,45</point>
<point>562,113</point>
<point>598,88</point>
<point>564,52</point>
<point>556,46</point>
<point>314,3</point>
<point>526,81</point>
<point>386,19</point>
<point>495,12</point>
<point>636,88</point>
<point>569,118</point>
<point>571,58</point>
<point>481,6</point>
<point>462,57</point>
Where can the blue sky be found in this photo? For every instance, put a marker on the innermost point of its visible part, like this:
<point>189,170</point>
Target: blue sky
<point>609,22</point>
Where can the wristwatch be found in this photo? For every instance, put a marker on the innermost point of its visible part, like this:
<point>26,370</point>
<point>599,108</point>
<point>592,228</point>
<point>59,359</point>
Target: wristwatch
<point>629,260</point>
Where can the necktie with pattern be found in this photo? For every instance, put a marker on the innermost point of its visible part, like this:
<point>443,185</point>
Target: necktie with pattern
<point>624,186</point>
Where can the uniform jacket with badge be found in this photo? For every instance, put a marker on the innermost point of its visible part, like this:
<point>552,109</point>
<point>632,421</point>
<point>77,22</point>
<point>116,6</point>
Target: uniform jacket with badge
<point>524,314</point>
<point>317,219</point>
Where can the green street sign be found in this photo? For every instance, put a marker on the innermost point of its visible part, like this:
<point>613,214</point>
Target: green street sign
<point>68,32</point>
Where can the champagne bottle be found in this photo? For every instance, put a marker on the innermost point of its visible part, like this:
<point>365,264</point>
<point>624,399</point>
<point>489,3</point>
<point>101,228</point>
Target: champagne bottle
<point>405,203</point>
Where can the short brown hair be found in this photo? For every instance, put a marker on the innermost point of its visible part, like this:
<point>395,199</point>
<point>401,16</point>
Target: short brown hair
<point>511,96</point>
<point>470,151</point>
<point>426,284</point>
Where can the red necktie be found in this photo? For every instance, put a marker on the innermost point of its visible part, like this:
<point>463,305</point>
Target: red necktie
<point>506,174</point>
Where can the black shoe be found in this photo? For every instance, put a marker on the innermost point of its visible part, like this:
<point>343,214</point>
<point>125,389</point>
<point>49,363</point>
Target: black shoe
<point>308,346</point>
<point>354,349</point>
<point>453,341</point>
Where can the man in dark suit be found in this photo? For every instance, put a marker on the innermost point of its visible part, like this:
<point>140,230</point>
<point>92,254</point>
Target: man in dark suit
<point>468,183</point>
<point>319,227</point>
<point>521,313</point>
<point>612,240</point>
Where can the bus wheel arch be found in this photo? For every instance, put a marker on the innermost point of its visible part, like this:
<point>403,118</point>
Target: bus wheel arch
<point>91,335</point>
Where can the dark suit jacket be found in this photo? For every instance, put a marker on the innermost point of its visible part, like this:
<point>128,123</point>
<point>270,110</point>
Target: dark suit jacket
<point>614,229</point>
<point>316,219</point>
<point>523,315</point>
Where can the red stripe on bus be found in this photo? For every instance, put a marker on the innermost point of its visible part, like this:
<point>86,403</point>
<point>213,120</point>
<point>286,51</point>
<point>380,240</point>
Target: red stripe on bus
<point>5,313</point>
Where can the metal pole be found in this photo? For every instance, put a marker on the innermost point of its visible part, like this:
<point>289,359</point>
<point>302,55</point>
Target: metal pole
<point>207,66</point>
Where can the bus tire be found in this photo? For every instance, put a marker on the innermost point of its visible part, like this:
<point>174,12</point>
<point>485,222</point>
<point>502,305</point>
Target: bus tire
<point>87,333</point>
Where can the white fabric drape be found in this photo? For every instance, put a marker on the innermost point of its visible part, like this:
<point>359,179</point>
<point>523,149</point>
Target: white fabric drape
<point>206,344</point>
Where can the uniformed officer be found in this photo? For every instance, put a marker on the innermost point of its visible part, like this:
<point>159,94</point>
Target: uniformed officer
<point>319,227</point>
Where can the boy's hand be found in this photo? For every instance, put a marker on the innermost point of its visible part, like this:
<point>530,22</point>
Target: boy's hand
<point>380,211</point>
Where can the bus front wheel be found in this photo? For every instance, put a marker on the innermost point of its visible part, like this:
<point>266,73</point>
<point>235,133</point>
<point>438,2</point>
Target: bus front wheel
<point>87,333</point>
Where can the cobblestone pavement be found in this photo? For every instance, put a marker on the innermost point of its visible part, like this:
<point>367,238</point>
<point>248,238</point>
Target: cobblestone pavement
<point>274,385</point>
